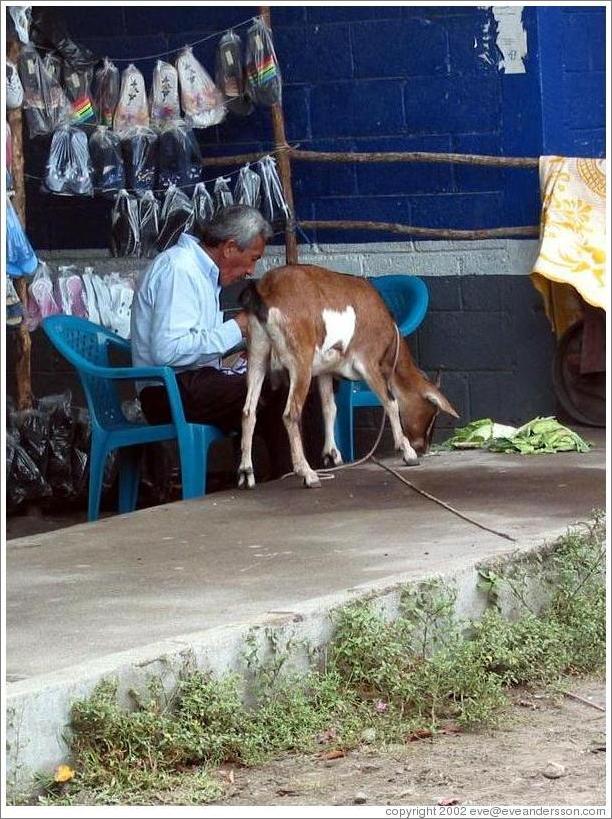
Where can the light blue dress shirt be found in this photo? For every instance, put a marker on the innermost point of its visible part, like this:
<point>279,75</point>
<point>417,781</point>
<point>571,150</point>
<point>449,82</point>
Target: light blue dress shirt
<point>176,318</point>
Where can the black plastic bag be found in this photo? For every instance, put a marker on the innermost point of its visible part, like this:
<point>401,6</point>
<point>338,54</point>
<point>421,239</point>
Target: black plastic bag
<point>125,226</point>
<point>176,217</point>
<point>180,160</point>
<point>140,149</point>
<point>24,481</point>
<point>49,30</point>
<point>59,467</point>
<point>34,428</point>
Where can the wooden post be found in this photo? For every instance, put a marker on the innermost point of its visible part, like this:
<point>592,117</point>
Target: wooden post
<point>284,163</point>
<point>24,343</point>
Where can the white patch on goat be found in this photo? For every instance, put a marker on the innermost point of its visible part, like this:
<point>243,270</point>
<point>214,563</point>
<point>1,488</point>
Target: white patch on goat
<point>339,330</point>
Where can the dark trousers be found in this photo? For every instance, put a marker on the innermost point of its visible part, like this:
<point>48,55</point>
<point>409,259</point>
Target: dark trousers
<point>213,397</point>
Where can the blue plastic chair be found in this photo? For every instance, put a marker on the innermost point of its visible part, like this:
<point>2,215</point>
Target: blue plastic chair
<point>86,346</point>
<point>407,298</point>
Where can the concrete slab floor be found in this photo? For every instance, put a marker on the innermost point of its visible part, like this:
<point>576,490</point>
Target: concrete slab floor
<point>92,590</point>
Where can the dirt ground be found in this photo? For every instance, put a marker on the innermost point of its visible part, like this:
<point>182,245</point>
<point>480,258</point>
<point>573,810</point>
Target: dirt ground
<point>504,766</point>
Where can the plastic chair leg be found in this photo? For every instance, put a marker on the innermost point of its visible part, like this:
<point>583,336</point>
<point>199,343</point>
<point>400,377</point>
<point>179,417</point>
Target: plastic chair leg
<point>129,478</point>
<point>97,460</point>
<point>193,450</point>
<point>344,428</point>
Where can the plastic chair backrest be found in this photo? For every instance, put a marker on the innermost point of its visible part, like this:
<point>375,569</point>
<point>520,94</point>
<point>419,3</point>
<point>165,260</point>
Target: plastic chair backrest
<point>406,297</point>
<point>79,341</point>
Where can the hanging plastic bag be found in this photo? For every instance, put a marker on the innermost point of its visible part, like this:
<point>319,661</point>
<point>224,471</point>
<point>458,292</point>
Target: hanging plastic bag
<point>20,18</point>
<point>140,148</point>
<point>132,109</point>
<point>53,65</point>
<point>148,216</point>
<point>230,74</point>
<point>14,88</point>
<point>72,292</point>
<point>121,295</point>
<point>247,190</point>
<point>14,307</point>
<point>77,82</point>
<point>176,217</point>
<point>203,205</point>
<point>201,99</point>
<point>106,91</point>
<point>165,106</point>
<point>222,195</point>
<point>20,258</point>
<point>48,30</point>
<point>273,205</point>
<point>108,173</point>
<point>45,104</point>
<point>180,160</point>
<point>125,229</point>
<point>41,302</point>
<point>68,170</point>
<point>263,73</point>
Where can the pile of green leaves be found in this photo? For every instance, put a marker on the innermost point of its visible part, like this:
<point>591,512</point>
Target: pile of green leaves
<point>542,435</point>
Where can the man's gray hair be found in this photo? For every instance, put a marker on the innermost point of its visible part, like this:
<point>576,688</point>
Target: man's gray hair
<point>241,223</point>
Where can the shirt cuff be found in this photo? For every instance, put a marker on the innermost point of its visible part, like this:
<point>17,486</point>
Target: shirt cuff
<point>233,333</point>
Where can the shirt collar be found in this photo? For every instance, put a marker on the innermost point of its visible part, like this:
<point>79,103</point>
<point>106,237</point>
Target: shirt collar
<point>206,264</point>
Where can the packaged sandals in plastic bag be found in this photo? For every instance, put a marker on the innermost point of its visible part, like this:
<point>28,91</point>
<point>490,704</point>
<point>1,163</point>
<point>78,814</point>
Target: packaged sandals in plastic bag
<point>148,215</point>
<point>107,171</point>
<point>179,158</point>
<point>49,30</point>
<point>54,66</point>
<point>247,190</point>
<point>20,257</point>
<point>201,100</point>
<point>176,217</point>
<point>273,205</point>
<point>77,82</point>
<point>106,91</point>
<point>263,73</point>
<point>45,103</point>
<point>139,147</point>
<point>132,109</point>
<point>203,205</point>
<point>41,301</point>
<point>230,74</point>
<point>68,170</point>
<point>125,229</point>
<point>222,195</point>
<point>165,105</point>
<point>71,292</point>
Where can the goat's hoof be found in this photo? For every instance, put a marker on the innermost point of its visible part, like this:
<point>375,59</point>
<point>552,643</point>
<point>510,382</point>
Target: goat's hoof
<point>332,458</point>
<point>411,461</point>
<point>312,482</point>
<point>246,478</point>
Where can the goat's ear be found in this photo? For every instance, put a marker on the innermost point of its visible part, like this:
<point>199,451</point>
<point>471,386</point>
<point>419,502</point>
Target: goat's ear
<point>438,381</point>
<point>434,395</point>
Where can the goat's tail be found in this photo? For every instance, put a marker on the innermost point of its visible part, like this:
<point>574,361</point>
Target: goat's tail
<point>251,300</point>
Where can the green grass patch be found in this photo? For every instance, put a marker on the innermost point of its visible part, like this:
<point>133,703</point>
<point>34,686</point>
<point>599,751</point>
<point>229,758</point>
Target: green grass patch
<point>378,681</point>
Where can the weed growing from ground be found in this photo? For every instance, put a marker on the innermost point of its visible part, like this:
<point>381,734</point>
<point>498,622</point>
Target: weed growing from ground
<point>378,680</point>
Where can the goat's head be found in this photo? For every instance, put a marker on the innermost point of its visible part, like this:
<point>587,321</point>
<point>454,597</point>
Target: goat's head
<point>419,405</point>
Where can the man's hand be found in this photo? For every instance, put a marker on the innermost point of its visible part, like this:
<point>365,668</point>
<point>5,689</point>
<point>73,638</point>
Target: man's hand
<point>242,318</point>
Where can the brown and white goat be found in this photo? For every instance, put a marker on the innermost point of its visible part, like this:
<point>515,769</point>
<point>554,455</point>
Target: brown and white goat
<point>313,322</point>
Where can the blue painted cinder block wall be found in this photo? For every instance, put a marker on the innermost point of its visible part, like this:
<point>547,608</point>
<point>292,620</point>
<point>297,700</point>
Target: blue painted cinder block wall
<point>373,78</point>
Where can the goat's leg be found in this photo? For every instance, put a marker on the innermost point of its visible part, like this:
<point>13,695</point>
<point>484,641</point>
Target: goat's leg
<point>298,390</point>
<point>331,454</point>
<point>258,357</point>
<point>377,382</point>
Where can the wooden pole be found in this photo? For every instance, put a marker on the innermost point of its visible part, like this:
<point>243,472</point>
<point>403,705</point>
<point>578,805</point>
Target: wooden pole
<point>431,233</point>
<point>284,163</point>
<point>414,156</point>
<point>24,343</point>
